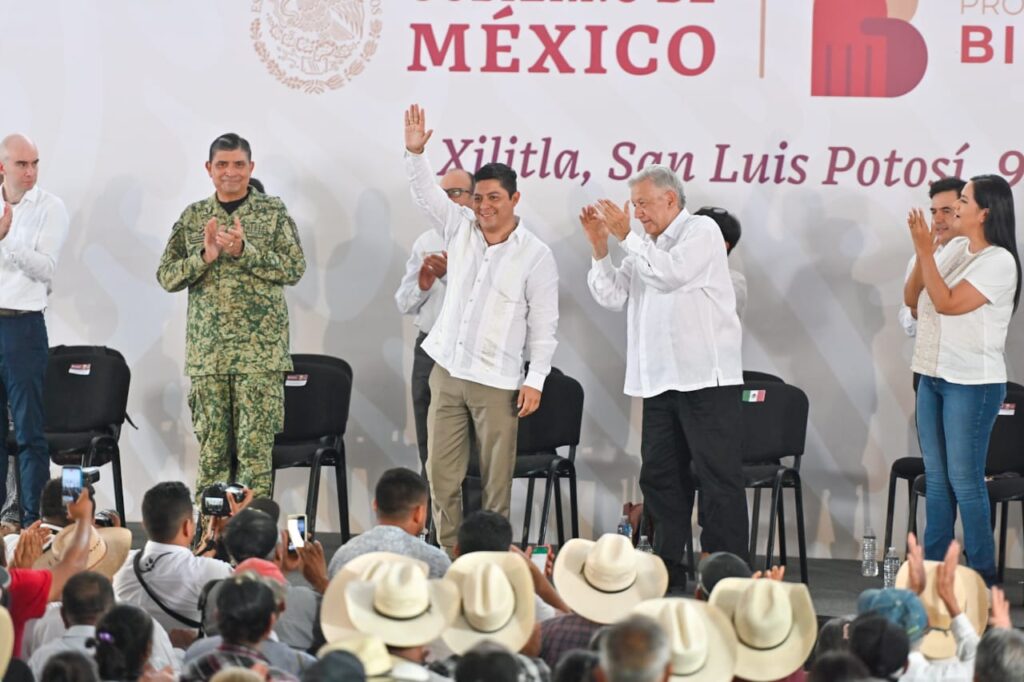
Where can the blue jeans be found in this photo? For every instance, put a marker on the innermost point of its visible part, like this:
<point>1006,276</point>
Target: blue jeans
<point>23,358</point>
<point>954,422</point>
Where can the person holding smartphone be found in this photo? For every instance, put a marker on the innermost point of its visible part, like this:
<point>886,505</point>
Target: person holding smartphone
<point>964,299</point>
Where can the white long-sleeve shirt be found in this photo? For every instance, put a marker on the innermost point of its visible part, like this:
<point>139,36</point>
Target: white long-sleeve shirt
<point>958,669</point>
<point>906,317</point>
<point>502,299</point>
<point>28,254</point>
<point>410,299</point>
<point>682,331</point>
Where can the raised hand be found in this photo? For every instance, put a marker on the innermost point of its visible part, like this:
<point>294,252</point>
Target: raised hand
<point>595,229</point>
<point>944,575</point>
<point>314,565</point>
<point>920,232</point>
<point>232,241</point>
<point>416,133</point>
<point>211,249</point>
<point>915,568</point>
<point>1000,610</point>
<point>5,220</point>
<point>30,546</point>
<point>435,266</point>
<point>617,219</point>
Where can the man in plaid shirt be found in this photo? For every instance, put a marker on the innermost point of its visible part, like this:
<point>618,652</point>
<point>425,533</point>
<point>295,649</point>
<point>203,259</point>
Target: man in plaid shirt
<point>247,608</point>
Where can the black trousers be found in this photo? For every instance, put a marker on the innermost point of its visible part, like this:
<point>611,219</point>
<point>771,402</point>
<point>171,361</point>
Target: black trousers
<point>699,429</point>
<point>422,364</point>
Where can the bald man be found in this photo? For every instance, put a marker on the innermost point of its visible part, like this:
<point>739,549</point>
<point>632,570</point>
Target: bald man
<point>33,228</point>
<point>421,293</point>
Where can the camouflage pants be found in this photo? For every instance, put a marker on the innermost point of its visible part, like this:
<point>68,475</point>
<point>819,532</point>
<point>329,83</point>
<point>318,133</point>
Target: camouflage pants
<point>237,414</point>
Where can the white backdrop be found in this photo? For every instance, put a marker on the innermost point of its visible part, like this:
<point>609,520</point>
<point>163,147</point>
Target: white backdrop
<point>124,98</point>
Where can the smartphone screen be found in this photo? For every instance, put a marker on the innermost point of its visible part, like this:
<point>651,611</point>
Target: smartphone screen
<point>71,483</point>
<point>296,531</point>
<point>539,557</point>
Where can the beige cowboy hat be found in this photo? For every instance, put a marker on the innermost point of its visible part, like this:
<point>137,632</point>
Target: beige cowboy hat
<point>971,594</point>
<point>775,625</point>
<point>377,662</point>
<point>334,620</point>
<point>701,638</point>
<point>6,640</point>
<point>497,601</point>
<point>402,606</point>
<point>108,549</point>
<point>603,580</point>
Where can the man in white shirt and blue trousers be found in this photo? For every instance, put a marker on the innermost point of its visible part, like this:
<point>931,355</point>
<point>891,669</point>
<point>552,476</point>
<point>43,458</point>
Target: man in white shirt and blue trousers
<point>33,227</point>
<point>501,300</point>
<point>682,357</point>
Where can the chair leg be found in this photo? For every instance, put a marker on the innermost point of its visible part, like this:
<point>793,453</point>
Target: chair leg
<point>559,516</point>
<point>341,480</point>
<point>782,529</point>
<point>545,508</point>
<point>772,519</point>
<point>313,492</point>
<point>1004,517</point>
<point>890,509</point>
<point>911,510</point>
<point>574,509</point>
<point>755,521</point>
<point>115,466</point>
<point>528,512</point>
<point>801,535</point>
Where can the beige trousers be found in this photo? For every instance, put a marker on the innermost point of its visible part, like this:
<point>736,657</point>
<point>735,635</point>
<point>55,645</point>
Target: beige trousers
<point>455,406</point>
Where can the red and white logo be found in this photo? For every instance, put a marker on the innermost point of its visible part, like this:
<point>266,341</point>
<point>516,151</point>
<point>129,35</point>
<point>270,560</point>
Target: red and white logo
<point>866,48</point>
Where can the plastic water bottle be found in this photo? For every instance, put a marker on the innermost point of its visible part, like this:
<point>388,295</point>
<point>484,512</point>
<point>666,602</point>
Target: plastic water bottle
<point>625,527</point>
<point>869,555</point>
<point>890,567</point>
<point>645,545</point>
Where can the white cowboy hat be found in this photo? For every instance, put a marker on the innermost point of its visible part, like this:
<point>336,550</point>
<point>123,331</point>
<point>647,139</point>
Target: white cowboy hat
<point>108,549</point>
<point>497,601</point>
<point>603,580</point>
<point>701,638</point>
<point>6,640</point>
<point>775,625</point>
<point>971,594</point>
<point>334,620</point>
<point>402,607</point>
<point>377,662</point>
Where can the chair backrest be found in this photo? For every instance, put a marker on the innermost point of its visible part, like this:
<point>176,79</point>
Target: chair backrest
<point>317,395</point>
<point>753,375</point>
<point>774,421</point>
<point>86,389</point>
<point>1006,445</point>
<point>557,421</point>
<point>1013,386</point>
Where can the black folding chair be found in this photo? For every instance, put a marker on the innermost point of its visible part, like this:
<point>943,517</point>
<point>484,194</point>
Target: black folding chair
<point>1004,469</point>
<point>86,397</point>
<point>317,395</point>
<point>555,424</point>
<point>774,428</point>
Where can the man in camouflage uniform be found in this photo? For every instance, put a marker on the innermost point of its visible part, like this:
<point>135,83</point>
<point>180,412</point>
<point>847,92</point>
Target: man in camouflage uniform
<point>235,251</point>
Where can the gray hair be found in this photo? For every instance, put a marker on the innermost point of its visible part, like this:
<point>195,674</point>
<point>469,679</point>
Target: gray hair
<point>1000,656</point>
<point>663,178</point>
<point>634,650</point>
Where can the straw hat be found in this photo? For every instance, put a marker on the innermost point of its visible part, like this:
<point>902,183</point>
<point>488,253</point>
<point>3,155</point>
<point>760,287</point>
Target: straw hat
<point>6,640</point>
<point>108,549</point>
<point>497,601</point>
<point>402,607</point>
<point>603,580</point>
<point>701,638</point>
<point>334,619</point>
<point>775,625</point>
<point>377,662</point>
<point>971,594</point>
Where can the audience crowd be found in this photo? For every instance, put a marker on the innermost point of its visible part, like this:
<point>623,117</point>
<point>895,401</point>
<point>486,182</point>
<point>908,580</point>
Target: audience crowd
<point>235,602</point>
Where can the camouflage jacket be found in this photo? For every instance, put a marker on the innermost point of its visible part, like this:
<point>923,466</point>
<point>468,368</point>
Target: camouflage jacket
<point>237,317</point>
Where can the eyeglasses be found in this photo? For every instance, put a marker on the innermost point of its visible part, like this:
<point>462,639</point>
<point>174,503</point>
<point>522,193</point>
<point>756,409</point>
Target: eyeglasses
<point>456,192</point>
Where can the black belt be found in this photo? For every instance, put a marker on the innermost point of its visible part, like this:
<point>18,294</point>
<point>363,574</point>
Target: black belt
<point>8,312</point>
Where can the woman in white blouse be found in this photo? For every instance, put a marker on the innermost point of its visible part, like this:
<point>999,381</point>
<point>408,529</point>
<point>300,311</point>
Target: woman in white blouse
<point>963,301</point>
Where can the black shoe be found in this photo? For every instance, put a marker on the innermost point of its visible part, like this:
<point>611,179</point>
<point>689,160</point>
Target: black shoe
<point>677,577</point>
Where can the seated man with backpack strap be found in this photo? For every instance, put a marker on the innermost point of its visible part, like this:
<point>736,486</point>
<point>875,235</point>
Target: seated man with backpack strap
<point>165,578</point>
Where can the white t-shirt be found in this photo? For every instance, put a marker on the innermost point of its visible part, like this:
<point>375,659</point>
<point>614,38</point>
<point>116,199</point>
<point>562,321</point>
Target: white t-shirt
<point>968,348</point>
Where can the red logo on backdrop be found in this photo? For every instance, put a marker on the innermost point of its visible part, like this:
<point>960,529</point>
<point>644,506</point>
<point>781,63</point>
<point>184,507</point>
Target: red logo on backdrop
<point>866,48</point>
